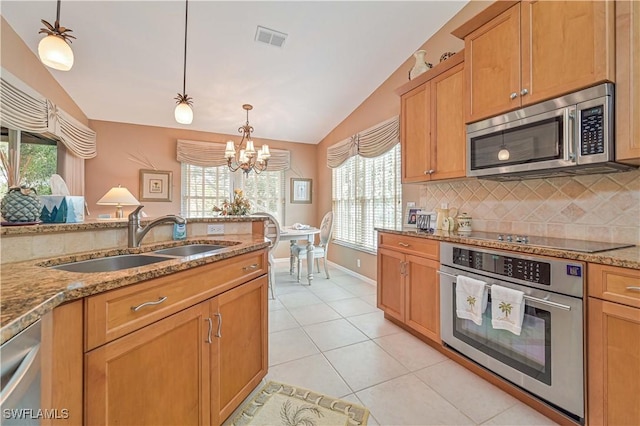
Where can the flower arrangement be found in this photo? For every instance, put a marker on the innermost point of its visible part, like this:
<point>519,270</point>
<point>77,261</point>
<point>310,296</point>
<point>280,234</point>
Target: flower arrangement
<point>240,205</point>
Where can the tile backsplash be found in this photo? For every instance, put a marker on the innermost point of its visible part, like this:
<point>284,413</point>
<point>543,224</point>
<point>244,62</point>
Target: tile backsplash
<point>594,207</point>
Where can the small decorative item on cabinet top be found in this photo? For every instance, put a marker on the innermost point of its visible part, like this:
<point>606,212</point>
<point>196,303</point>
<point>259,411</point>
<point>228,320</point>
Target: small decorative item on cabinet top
<point>420,66</point>
<point>446,55</point>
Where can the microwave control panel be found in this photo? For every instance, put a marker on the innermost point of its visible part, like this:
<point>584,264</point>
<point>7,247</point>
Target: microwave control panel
<point>592,130</point>
<point>523,269</point>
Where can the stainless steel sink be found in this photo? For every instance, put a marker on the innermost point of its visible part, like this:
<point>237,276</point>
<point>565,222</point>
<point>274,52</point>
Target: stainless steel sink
<point>113,263</point>
<point>188,250</point>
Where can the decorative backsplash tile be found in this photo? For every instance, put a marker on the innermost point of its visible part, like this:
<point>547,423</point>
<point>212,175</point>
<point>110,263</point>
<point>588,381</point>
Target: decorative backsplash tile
<point>593,207</point>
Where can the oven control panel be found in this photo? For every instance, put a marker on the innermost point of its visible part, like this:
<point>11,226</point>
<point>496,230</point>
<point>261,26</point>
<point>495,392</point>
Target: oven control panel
<point>533,271</point>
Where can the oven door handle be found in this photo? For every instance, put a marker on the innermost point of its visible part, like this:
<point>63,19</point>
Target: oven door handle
<point>30,362</point>
<point>526,297</point>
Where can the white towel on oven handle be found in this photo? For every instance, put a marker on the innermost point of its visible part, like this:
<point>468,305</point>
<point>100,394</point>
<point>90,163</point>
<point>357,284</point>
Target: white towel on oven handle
<point>471,298</point>
<point>507,309</point>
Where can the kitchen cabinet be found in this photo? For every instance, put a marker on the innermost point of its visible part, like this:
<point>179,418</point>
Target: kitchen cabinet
<point>432,129</point>
<point>196,350</point>
<point>408,288</point>
<point>628,82</point>
<point>613,346</point>
<point>534,51</point>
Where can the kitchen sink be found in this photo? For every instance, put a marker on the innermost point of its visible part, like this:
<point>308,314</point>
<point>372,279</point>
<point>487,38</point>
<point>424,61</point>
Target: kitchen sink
<point>188,250</point>
<point>113,263</point>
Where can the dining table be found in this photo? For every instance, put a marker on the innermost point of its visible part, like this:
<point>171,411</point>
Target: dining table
<point>294,234</point>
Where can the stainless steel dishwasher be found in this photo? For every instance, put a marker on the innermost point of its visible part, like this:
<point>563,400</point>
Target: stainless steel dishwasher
<point>20,383</point>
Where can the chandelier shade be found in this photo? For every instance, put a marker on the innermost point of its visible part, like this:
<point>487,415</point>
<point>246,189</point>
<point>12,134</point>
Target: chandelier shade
<point>244,155</point>
<point>54,50</point>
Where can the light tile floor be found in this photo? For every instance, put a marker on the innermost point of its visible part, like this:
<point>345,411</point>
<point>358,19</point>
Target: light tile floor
<point>330,337</point>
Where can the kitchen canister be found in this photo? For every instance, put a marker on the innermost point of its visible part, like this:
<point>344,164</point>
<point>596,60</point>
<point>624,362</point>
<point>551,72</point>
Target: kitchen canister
<point>464,222</point>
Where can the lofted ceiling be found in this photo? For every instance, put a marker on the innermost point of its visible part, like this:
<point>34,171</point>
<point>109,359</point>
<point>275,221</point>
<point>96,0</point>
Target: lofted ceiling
<point>129,58</point>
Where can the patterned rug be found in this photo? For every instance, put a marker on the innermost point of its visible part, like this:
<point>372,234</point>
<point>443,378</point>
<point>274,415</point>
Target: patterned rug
<point>279,404</point>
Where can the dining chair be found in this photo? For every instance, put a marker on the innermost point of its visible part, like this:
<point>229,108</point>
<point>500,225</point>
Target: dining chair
<point>299,251</point>
<point>272,233</point>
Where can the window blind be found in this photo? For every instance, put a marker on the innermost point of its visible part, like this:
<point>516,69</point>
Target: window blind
<point>366,193</point>
<point>211,154</point>
<point>368,143</point>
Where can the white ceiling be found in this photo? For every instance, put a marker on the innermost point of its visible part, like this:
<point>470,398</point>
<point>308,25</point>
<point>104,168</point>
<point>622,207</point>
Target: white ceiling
<point>129,58</point>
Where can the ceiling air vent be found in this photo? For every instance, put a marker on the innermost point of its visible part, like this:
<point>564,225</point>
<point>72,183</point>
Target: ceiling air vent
<point>269,36</point>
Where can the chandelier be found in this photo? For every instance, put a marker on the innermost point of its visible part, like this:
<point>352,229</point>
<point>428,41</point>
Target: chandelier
<point>246,158</point>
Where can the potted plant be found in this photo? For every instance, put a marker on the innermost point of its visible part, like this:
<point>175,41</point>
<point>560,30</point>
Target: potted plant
<point>21,203</point>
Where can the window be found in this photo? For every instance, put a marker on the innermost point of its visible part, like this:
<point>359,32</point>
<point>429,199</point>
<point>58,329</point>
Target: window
<point>38,159</point>
<point>366,193</point>
<point>206,187</point>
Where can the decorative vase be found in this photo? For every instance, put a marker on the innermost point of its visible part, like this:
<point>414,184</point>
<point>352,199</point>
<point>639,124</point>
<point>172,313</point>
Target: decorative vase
<point>20,204</point>
<point>420,66</point>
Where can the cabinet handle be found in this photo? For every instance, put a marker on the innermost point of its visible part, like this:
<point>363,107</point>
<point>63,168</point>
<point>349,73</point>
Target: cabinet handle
<point>429,172</point>
<point>406,270</point>
<point>633,288</point>
<point>142,305</point>
<point>250,267</point>
<point>513,95</point>
<point>403,244</point>
<point>524,92</point>
<point>219,331</point>
<point>402,266</point>
<point>210,330</point>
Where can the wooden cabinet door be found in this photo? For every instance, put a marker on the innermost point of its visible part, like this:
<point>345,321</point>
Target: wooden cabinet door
<point>614,364</point>
<point>566,46</point>
<point>492,66</point>
<point>628,82</point>
<point>391,297</point>
<point>242,355</point>
<point>153,376</point>
<point>415,134</point>
<point>422,296</point>
<point>448,152</point>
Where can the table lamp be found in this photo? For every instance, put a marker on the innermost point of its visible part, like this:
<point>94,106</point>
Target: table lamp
<point>118,196</point>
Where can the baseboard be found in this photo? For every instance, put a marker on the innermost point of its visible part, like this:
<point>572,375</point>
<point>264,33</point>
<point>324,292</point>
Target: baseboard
<point>340,267</point>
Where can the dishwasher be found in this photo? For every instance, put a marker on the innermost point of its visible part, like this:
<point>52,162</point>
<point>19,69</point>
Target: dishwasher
<point>20,383</point>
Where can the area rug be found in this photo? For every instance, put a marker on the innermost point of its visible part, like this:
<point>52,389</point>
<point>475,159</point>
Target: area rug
<point>279,404</point>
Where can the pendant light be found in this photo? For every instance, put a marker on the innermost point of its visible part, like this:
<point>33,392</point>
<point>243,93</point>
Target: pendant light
<point>54,49</point>
<point>183,112</point>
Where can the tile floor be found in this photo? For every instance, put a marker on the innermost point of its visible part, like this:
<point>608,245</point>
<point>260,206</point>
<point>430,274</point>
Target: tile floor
<point>331,338</point>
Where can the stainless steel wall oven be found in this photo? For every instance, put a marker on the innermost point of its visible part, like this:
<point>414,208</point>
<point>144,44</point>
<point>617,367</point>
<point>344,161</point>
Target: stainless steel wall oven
<point>546,359</point>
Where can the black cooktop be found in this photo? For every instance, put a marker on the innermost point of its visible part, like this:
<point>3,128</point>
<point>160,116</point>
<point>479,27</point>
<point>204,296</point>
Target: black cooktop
<point>548,242</point>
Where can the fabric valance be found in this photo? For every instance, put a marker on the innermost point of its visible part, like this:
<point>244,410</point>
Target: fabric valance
<point>211,154</point>
<point>23,109</point>
<point>369,143</point>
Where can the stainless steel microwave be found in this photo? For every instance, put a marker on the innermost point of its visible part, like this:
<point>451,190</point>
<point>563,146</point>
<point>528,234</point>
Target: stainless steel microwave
<point>570,135</point>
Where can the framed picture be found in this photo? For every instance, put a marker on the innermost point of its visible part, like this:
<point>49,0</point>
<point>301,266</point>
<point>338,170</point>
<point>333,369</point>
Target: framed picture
<point>300,191</point>
<point>412,216</point>
<point>155,185</point>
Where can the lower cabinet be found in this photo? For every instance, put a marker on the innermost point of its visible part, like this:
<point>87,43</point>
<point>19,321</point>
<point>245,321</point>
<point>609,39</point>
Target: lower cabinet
<point>613,357</point>
<point>408,288</point>
<point>191,367</point>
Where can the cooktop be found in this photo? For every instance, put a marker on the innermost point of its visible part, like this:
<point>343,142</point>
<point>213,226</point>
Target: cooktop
<point>548,242</point>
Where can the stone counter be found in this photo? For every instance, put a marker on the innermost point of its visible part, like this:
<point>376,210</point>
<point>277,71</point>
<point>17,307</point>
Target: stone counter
<point>30,289</point>
<point>625,258</point>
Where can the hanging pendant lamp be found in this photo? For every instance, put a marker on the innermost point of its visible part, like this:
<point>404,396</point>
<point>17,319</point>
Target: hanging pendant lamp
<point>183,111</point>
<point>54,49</point>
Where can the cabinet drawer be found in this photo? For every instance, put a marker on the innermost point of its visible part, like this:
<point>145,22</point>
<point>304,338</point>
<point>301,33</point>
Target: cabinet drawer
<point>615,284</point>
<point>412,245</point>
<point>118,312</point>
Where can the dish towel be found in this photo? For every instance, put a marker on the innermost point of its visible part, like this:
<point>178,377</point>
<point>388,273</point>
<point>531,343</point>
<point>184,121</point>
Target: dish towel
<point>507,309</point>
<point>471,298</point>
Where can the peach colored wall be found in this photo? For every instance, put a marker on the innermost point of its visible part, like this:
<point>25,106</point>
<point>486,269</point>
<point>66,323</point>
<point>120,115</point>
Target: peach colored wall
<point>18,59</point>
<point>382,104</point>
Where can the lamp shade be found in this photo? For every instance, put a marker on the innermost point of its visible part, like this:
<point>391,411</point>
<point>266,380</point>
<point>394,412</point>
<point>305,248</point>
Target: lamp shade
<point>118,196</point>
<point>56,53</point>
<point>183,113</point>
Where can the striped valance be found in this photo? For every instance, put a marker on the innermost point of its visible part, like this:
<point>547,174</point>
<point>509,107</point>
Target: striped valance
<point>23,109</point>
<point>369,143</point>
<point>211,154</point>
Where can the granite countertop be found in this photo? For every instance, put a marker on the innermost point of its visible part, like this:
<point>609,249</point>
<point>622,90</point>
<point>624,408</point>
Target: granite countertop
<point>30,289</point>
<point>625,258</point>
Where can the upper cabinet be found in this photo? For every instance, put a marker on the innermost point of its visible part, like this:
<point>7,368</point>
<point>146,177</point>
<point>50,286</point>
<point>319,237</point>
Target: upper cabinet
<point>533,51</point>
<point>432,131</point>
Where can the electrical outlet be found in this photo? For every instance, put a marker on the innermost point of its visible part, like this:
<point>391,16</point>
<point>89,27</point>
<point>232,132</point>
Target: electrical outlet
<point>358,263</point>
<point>216,229</point>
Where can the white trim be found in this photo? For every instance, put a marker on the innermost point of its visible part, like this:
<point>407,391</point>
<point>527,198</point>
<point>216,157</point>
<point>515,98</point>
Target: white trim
<point>340,267</point>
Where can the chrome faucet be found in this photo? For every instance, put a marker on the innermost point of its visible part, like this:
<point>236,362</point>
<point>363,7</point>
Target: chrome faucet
<point>136,232</point>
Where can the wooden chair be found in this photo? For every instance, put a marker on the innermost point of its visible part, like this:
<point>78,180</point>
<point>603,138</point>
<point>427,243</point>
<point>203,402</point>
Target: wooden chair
<point>272,233</point>
<point>299,251</point>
